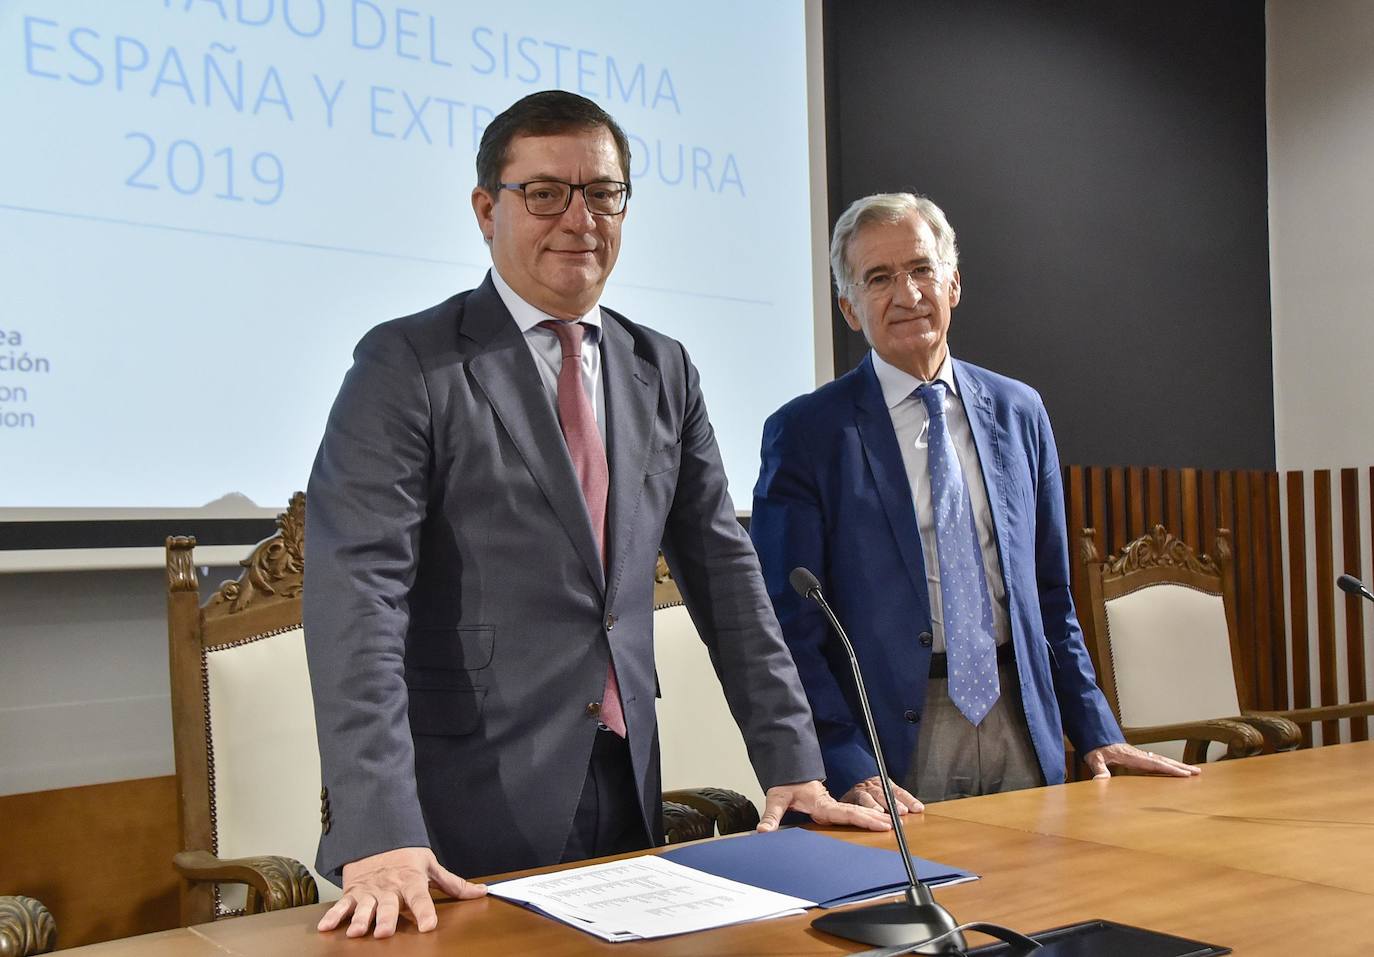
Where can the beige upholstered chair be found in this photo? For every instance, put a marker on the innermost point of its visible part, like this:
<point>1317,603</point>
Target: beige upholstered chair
<point>26,927</point>
<point>248,767</point>
<point>698,738</point>
<point>1164,627</point>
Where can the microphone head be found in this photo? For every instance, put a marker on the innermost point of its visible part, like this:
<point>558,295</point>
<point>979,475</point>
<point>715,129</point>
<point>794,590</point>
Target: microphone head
<point>803,582</point>
<point>1346,583</point>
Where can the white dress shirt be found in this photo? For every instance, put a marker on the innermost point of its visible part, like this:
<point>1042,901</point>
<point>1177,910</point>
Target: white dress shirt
<point>548,353</point>
<point>910,421</point>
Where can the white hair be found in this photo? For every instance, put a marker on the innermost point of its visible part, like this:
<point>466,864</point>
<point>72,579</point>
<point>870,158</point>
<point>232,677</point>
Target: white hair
<point>887,208</point>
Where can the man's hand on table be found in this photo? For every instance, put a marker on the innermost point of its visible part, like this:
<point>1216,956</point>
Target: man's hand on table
<point>376,888</point>
<point>812,798</point>
<point>869,793</point>
<point>1098,761</point>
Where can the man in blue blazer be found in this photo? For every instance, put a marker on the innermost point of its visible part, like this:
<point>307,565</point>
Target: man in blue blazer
<point>924,493</point>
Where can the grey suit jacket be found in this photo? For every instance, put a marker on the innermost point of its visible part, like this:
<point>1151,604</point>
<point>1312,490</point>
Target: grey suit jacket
<point>457,617</point>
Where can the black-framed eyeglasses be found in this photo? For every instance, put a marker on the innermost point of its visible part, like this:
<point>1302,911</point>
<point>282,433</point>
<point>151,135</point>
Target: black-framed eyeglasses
<point>552,197</point>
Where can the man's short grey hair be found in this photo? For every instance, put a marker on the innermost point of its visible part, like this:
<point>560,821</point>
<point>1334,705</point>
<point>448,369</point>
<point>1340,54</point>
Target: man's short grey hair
<point>888,208</point>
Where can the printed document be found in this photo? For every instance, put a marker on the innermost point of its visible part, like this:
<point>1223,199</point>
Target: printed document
<point>645,897</point>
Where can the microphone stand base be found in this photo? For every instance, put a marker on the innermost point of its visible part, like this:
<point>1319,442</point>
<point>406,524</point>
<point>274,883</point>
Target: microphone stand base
<point>899,922</point>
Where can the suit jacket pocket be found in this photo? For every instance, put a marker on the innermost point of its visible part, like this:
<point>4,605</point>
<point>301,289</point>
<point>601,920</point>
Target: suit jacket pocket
<point>446,711</point>
<point>664,459</point>
<point>450,648</point>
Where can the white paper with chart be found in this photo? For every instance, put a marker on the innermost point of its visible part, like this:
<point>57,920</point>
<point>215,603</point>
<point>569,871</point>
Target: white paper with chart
<point>645,897</point>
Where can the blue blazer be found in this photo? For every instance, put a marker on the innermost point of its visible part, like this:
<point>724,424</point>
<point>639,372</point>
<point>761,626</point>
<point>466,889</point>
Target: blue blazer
<point>833,495</point>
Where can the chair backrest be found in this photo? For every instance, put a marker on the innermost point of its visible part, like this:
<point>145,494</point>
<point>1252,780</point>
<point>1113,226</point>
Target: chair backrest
<point>1164,628</point>
<point>699,741</point>
<point>243,721</point>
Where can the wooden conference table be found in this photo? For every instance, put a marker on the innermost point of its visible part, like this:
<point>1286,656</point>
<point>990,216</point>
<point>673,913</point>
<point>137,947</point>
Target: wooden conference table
<point>1269,855</point>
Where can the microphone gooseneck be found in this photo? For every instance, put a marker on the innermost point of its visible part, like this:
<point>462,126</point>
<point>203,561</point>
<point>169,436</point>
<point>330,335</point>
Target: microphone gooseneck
<point>916,920</point>
<point>804,583</point>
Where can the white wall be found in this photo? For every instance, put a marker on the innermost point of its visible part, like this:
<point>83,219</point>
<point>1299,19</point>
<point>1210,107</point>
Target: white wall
<point>83,677</point>
<point>1321,228</point>
<point>1321,241</point>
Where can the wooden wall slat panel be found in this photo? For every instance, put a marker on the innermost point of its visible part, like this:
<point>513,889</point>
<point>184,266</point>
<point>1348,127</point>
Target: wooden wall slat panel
<point>1226,484</point>
<point>1097,500</point>
<point>1325,597</point>
<point>1154,494</point>
<point>1241,537</point>
<point>1078,520</point>
<point>1263,672</point>
<point>1077,506</point>
<point>1137,483</point>
<point>1116,480</point>
<point>1190,510</point>
<point>1209,512</point>
<point>1297,590</point>
<point>1279,665</point>
<point>1225,518</point>
<point>1354,614</point>
<point>1360,726</point>
<point>1173,502</point>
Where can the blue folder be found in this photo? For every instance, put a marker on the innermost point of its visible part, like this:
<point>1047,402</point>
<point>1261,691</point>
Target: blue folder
<point>805,864</point>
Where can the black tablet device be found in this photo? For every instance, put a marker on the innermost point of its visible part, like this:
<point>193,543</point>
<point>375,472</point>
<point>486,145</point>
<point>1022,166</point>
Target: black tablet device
<point>1105,938</point>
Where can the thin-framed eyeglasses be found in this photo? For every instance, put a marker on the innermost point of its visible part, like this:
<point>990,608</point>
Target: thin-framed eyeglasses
<point>926,276</point>
<point>552,197</point>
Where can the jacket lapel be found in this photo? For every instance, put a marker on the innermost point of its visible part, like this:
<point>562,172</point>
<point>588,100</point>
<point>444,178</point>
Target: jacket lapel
<point>631,387</point>
<point>889,472</point>
<point>506,373</point>
<point>982,421</point>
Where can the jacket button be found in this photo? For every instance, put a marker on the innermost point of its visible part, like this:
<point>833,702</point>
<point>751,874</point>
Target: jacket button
<point>926,639</point>
<point>593,709</point>
<point>610,622</point>
<point>912,717</point>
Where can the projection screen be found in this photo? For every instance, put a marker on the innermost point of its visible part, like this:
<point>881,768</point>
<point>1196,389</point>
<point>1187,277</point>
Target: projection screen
<point>205,203</point>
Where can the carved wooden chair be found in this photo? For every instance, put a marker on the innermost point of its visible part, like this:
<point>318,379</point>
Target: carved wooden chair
<point>1164,625</point>
<point>243,725</point>
<point>26,927</point>
<point>248,770</point>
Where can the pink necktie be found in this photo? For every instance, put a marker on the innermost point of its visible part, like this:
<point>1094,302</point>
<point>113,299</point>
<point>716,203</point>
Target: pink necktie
<point>578,421</point>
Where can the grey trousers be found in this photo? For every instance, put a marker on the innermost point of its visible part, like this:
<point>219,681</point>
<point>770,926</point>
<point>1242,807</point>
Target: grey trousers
<point>954,759</point>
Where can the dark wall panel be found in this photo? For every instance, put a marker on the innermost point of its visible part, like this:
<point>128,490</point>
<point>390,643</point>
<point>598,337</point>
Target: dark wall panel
<point>1103,163</point>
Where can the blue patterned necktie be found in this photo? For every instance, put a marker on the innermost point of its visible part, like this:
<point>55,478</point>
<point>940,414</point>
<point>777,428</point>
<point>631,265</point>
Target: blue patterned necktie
<point>969,644</point>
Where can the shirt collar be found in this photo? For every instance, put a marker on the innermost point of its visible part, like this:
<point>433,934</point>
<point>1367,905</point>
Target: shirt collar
<point>527,316</point>
<point>898,385</point>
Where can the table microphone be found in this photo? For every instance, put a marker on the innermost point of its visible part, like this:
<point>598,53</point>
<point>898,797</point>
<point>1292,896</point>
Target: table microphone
<point>917,919</point>
<point>1353,586</point>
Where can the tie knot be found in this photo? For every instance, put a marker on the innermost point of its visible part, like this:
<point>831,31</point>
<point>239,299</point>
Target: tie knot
<point>569,336</point>
<point>933,395</point>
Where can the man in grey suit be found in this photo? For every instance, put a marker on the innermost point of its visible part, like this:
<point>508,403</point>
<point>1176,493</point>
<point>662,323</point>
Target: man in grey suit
<point>484,518</point>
